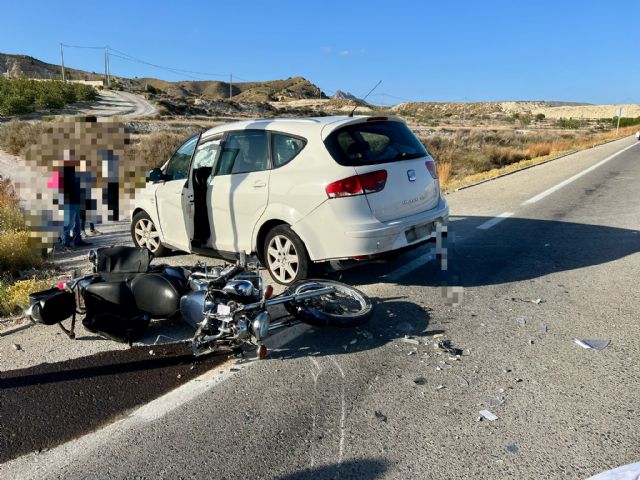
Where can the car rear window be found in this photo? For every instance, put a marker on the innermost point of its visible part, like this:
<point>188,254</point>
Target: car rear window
<point>373,142</point>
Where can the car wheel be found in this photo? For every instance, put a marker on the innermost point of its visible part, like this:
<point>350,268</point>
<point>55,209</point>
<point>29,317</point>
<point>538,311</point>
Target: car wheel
<point>146,235</point>
<point>285,255</point>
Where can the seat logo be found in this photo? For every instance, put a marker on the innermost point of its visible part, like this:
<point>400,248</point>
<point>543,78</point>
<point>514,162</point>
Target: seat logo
<point>411,174</point>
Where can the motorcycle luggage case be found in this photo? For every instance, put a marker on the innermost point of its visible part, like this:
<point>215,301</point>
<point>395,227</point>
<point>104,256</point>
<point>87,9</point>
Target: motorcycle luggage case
<point>112,312</point>
<point>51,306</point>
<point>122,263</point>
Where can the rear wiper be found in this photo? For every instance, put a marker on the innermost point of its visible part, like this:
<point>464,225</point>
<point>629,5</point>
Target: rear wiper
<point>408,156</point>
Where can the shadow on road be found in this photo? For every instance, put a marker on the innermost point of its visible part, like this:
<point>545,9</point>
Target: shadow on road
<point>367,468</point>
<point>514,250</point>
<point>392,319</point>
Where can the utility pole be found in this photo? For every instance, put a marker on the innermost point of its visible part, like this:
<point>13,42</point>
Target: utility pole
<point>619,115</point>
<point>230,85</point>
<point>62,60</point>
<point>108,67</point>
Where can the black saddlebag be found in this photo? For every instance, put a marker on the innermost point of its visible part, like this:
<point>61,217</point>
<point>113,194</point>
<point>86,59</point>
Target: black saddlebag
<point>120,263</point>
<point>111,312</point>
<point>51,306</point>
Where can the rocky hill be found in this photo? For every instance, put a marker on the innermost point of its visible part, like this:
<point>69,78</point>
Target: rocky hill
<point>296,88</point>
<point>15,66</point>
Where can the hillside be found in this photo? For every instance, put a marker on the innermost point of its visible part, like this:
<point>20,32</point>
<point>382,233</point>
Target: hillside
<point>16,66</point>
<point>296,88</point>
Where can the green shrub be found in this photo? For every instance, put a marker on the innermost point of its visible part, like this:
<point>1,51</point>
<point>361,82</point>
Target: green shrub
<point>625,121</point>
<point>572,123</point>
<point>16,105</point>
<point>540,117</point>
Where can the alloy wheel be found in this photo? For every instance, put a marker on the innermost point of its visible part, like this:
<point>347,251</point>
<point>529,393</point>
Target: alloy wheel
<point>147,235</point>
<point>282,259</point>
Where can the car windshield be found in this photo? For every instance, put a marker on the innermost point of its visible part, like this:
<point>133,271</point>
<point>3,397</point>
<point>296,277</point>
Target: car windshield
<point>374,142</point>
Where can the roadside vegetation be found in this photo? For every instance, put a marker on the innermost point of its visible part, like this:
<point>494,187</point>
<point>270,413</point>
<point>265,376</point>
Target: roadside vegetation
<point>19,95</point>
<point>15,254</point>
<point>465,156</point>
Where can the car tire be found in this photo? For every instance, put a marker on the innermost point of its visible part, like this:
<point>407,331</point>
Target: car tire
<point>145,234</point>
<point>285,256</point>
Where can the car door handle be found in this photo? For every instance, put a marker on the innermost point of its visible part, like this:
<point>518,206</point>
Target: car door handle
<point>259,184</point>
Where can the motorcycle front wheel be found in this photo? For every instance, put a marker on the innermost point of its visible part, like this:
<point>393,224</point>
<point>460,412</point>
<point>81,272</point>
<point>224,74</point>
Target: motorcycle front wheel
<point>345,307</point>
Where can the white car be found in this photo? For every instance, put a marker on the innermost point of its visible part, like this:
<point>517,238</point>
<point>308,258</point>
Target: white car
<point>293,192</point>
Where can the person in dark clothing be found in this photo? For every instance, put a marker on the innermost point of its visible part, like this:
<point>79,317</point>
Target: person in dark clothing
<point>72,197</point>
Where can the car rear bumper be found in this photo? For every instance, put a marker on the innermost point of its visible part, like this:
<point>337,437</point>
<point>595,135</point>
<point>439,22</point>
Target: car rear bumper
<point>333,239</point>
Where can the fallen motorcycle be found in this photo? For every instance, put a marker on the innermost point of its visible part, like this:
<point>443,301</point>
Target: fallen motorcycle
<point>227,306</point>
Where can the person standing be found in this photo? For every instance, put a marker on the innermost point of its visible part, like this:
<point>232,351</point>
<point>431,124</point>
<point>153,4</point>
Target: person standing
<point>69,183</point>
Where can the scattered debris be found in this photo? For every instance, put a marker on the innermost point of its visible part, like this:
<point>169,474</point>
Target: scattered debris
<point>353,342</point>
<point>522,320</point>
<point>16,347</point>
<point>179,376</point>
<point>507,370</point>
<point>530,341</point>
<point>444,364</point>
<point>412,352</point>
<point>537,301</point>
<point>518,380</point>
<point>439,387</point>
<point>420,381</point>
<point>488,415</point>
<point>463,381</point>
<point>594,344</point>
<point>410,340</point>
<point>380,416</point>
<point>448,347</point>
<point>496,402</point>
<point>151,352</point>
<point>344,347</point>
<point>512,448</point>
<point>543,328</point>
<point>438,335</point>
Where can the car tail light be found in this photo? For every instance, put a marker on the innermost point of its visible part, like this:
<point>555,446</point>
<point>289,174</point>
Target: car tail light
<point>358,184</point>
<point>431,166</point>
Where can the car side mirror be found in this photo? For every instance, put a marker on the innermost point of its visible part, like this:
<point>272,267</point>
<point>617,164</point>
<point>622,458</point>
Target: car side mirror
<point>155,176</point>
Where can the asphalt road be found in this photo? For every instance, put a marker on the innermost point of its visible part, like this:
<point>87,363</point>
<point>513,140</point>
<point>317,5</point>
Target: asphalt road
<point>534,266</point>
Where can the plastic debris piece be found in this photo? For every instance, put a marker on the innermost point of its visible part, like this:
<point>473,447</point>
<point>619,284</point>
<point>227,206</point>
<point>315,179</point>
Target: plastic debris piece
<point>16,347</point>
<point>488,415</point>
<point>512,448</point>
<point>380,416</point>
<point>439,387</point>
<point>448,347</point>
<point>497,402</point>
<point>353,342</point>
<point>594,344</point>
<point>543,328</point>
<point>412,341</point>
<point>412,352</point>
<point>151,352</point>
<point>536,301</point>
<point>438,335</point>
<point>179,376</point>
<point>420,381</point>
<point>522,320</point>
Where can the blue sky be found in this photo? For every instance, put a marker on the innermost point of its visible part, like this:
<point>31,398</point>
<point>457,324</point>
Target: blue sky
<point>428,51</point>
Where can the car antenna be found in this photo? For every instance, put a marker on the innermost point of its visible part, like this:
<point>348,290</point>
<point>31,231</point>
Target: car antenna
<point>365,97</point>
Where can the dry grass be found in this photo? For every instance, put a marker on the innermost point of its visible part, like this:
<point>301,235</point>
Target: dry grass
<point>540,149</point>
<point>480,154</point>
<point>16,136</point>
<point>444,172</point>
<point>14,298</point>
<point>154,149</point>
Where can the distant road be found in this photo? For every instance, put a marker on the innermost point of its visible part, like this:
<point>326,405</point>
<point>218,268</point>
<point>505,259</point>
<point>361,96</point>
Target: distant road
<point>123,104</point>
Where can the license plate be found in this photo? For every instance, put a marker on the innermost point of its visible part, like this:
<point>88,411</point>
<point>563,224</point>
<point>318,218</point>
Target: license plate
<point>418,232</point>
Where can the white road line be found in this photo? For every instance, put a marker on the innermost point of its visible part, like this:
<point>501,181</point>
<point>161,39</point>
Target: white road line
<point>494,221</point>
<point>566,182</point>
<point>344,413</point>
<point>407,268</point>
